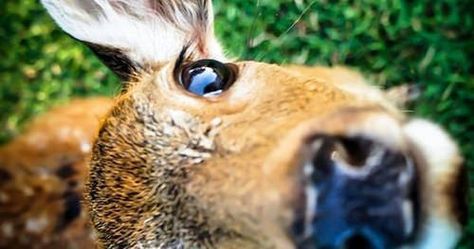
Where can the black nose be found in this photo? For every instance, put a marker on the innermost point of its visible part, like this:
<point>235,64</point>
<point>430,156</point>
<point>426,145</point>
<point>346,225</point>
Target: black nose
<point>357,193</point>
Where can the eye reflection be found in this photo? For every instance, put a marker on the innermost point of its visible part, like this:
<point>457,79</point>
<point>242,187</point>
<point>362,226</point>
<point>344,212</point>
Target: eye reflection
<point>207,77</point>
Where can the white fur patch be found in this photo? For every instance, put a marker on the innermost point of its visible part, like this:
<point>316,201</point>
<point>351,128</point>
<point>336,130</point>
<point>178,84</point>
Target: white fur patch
<point>439,233</point>
<point>437,147</point>
<point>133,26</point>
<point>381,128</point>
<point>442,157</point>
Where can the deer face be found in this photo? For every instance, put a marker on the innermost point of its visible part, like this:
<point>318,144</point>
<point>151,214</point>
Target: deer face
<point>200,151</point>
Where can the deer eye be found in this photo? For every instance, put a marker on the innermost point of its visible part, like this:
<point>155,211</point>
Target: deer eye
<point>207,77</point>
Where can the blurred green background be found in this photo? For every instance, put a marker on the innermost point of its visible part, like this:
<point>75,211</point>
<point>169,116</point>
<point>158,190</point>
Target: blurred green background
<point>430,43</point>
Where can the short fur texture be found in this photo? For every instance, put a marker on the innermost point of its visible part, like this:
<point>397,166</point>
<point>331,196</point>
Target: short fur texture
<point>170,169</point>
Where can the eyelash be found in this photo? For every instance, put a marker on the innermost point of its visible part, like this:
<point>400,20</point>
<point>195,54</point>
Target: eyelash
<point>183,58</point>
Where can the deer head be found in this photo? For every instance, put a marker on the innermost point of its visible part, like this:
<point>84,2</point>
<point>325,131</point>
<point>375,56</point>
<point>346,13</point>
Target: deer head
<point>203,151</point>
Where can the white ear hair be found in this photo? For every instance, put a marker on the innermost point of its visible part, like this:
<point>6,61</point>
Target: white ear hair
<point>146,31</point>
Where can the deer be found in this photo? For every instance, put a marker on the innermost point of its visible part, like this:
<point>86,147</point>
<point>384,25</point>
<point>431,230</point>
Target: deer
<point>204,151</point>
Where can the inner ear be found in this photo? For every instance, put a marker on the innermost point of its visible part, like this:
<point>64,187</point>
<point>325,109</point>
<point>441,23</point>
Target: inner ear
<point>116,60</point>
<point>130,36</point>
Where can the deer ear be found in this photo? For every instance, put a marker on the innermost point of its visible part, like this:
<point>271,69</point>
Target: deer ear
<point>130,36</point>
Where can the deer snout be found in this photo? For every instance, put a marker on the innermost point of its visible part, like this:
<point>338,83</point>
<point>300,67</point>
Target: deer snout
<point>357,193</point>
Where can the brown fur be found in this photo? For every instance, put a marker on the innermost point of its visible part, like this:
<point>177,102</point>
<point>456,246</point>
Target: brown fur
<point>44,171</point>
<point>199,156</point>
<point>170,169</point>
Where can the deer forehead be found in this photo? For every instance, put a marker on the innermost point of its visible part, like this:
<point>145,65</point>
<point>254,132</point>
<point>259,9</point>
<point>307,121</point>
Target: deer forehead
<point>260,89</point>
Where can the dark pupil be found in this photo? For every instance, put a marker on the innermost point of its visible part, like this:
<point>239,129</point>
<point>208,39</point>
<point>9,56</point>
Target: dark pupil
<point>205,77</point>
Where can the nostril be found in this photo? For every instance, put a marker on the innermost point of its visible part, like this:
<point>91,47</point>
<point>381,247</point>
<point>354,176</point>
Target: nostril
<point>353,152</point>
<point>356,193</point>
<point>358,241</point>
<point>356,150</point>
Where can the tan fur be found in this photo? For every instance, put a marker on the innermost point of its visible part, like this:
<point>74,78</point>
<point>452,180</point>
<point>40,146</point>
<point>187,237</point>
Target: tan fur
<point>170,169</point>
<point>47,139</point>
<point>34,191</point>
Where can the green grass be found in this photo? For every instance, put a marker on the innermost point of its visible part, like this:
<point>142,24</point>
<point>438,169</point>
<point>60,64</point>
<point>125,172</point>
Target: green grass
<point>430,43</point>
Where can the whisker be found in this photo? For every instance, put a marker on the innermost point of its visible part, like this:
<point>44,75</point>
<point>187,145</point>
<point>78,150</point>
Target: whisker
<point>251,33</point>
<point>302,14</point>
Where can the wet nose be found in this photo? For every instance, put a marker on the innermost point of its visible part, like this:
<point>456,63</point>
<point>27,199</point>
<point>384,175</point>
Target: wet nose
<point>358,193</point>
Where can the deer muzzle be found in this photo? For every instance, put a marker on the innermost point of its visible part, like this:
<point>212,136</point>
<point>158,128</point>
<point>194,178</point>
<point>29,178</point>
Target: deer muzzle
<point>357,193</point>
